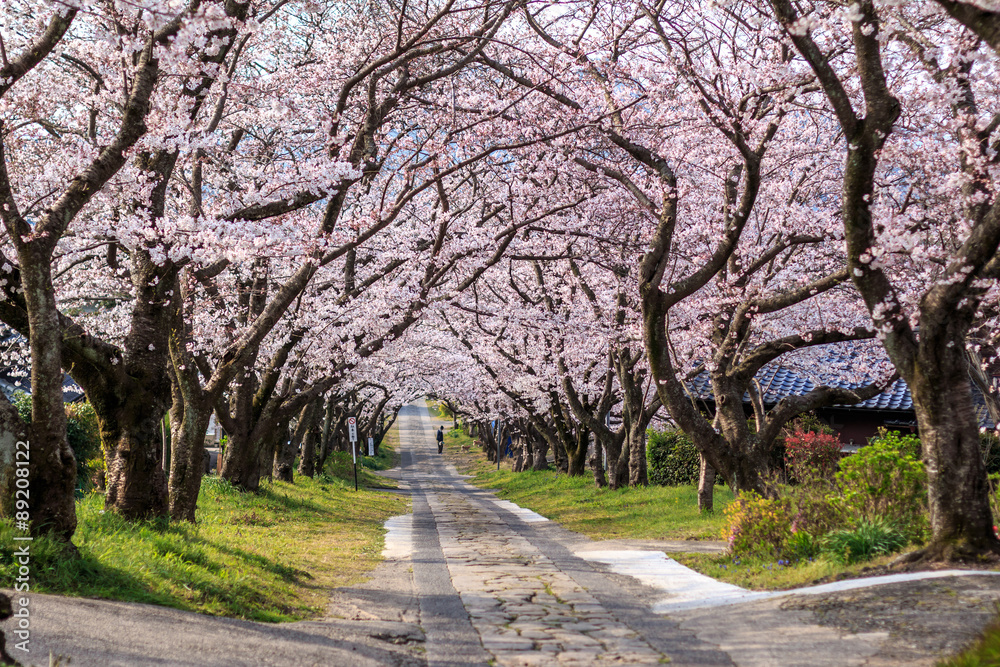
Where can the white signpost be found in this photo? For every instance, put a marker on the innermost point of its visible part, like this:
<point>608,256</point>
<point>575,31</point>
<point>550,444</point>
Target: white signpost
<point>371,446</point>
<point>352,432</point>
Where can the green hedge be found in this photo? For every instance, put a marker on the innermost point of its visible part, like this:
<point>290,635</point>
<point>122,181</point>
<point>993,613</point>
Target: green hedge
<point>991,452</point>
<point>81,431</point>
<point>671,458</point>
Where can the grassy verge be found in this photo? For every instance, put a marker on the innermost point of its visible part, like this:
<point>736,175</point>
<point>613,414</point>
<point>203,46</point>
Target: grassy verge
<point>762,574</point>
<point>270,556</point>
<point>984,653</point>
<point>436,410</point>
<point>653,512</point>
<point>389,449</point>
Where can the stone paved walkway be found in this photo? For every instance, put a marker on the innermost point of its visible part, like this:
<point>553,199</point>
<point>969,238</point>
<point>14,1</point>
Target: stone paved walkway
<point>528,599</point>
<point>526,610</point>
<point>496,584</point>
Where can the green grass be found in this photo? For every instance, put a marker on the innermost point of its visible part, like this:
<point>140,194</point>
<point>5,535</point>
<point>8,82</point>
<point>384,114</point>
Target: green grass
<point>652,512</point>
<point>270,556</point>
<point>984,653</point>
<point>768,574</point>
<point>436,410</point>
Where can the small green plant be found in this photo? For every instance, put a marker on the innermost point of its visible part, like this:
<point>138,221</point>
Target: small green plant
<point>994,484</point>
<point>885,480</point>
<point>872,537</point>
<point>907,444</point>
<point>801,546</point>
<point>672,458</point>
<point>84,436</point>
<point>758,526</point>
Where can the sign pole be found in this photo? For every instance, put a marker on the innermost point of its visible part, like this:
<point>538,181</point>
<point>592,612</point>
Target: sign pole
<point>352,431</point>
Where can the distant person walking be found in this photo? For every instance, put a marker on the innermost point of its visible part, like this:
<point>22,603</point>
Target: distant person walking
<point>440,439</point>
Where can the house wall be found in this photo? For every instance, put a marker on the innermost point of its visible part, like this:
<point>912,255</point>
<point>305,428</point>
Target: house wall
<point>857,426</point>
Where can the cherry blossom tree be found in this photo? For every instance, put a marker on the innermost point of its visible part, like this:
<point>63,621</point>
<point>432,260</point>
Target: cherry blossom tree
<point>156,50</point>
<point>698,135</point>
<point>252,139</point>
<point>894,77</point>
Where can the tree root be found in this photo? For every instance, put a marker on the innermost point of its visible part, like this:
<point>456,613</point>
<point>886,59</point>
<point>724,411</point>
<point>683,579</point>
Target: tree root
<point>6,611</point>
<point>957,553</point>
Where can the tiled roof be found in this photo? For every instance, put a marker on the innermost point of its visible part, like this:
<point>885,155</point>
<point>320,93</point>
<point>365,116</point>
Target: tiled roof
<point>777,383</point>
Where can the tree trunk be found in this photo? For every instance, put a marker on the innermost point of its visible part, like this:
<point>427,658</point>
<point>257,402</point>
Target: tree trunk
<point>12,431</point>
<point>241,462</point>
<point>540,454</point>
<point>187,460</point>
<point>270,445</point>
<point>136,482</point>
<point>52,478</point>
<point>326,441</point>
<point>958,491</point>
<point>577,451</point>
<point>307,462</point>
<point>489,441</point>
<point>131,401</point>
<point>743,459</point>
<point>706,485</point>
<point>519,457</point>
<point>286,449</point>
<point>618,462</point>
<point>559,455</point>
<point>638,474</point>
<point>165,444</point>
<point>284,462</point>
<point>597,465</point>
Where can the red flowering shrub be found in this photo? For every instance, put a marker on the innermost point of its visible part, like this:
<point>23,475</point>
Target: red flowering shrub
<point>811,456</point>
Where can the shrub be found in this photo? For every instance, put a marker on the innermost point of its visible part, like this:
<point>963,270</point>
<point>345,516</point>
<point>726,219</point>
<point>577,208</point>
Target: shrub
<point>82,432</point>
<point>989,444</point>
<point>672,458</point>
<point>757,526</point>
<point>816,510</point>
<point>872,537</point>
<point>84,437</point>
<point>802,545</point>
<point>994,495</point>
<point>907,444</point>
<point>811,456</point>
<point>884,480</point>
<point>809,423</point>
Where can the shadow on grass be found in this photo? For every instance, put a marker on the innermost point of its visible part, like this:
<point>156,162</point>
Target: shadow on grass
<point>286,572</point>
<point>86,576</point>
